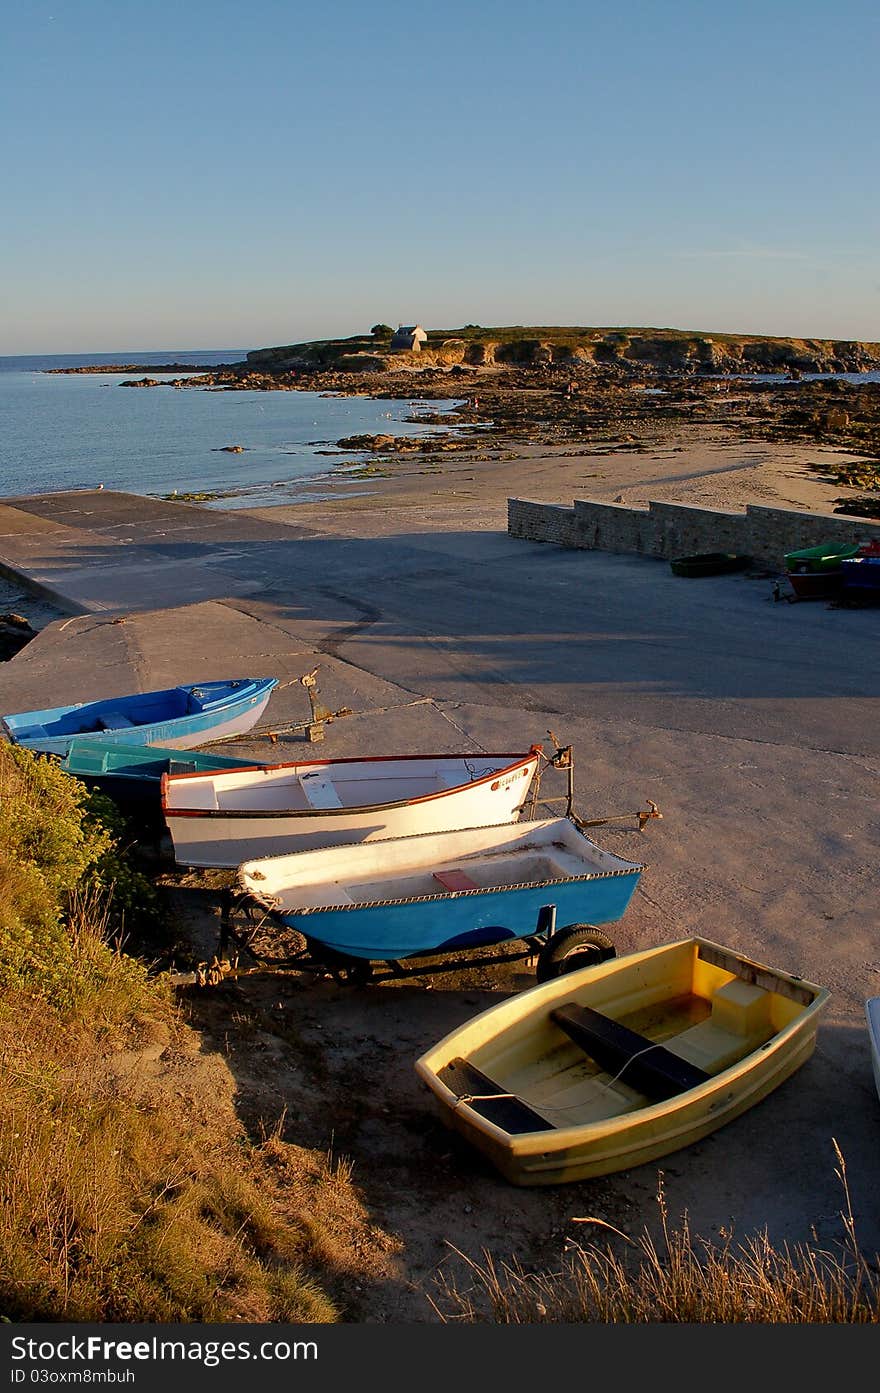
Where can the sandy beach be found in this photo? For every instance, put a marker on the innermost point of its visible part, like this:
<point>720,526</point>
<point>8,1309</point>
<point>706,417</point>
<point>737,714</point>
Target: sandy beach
<point>691,467</point>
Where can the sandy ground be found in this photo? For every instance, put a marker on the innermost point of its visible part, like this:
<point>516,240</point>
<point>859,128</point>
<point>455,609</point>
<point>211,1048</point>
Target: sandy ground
<point>694,467</point>
<point>763,757</point>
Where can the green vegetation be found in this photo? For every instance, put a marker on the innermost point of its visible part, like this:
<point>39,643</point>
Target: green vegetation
<point>61,861</point>
<point>664,349</point>
<point>680,1279</point>
<point>119,1201</point>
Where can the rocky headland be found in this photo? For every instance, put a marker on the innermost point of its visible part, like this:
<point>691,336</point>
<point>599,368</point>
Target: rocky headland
<point>549,386</point>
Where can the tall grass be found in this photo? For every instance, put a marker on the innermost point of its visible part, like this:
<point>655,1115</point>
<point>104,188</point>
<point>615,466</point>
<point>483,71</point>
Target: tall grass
<point>678,1278</point>
<point>116,1206</point>
<point>116,1203</point>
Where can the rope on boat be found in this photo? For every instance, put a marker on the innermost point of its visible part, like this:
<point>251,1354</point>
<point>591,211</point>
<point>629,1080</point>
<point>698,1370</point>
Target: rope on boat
<point>542,1106</point>
<point>485,1098</point>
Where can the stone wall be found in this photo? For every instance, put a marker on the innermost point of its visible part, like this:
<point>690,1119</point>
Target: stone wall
<point>676,529</point>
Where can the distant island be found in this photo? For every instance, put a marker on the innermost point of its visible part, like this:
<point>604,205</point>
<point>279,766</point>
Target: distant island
<point>138,367</point>
<point>642,350</point>
<point>626,350</point>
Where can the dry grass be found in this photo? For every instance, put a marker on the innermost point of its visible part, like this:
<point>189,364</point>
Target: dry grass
<point>681,1279</point>
<point>117,1205</point>
<point>128,1189</point>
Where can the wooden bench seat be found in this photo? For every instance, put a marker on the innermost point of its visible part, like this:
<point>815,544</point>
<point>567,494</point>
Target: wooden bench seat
<point>658,1072</point>
<point>320,791</point>
<point>516,1117</point>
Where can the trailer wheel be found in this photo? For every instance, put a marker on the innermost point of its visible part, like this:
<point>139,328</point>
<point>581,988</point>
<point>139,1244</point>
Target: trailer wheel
<point>573,947</point>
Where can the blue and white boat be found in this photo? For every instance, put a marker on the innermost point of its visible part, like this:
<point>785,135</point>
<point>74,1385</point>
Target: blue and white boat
<point>441,891</point>
<point>178,717</point>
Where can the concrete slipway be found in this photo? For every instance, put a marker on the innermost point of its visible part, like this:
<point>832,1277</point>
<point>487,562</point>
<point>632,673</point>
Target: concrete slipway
<point>754,725</point>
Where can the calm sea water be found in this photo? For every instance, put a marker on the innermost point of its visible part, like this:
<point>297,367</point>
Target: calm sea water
<point>71,432</point>
<point>811,377</point>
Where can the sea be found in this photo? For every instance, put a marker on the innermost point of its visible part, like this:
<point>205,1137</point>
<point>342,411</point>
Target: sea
<point>84,430</point>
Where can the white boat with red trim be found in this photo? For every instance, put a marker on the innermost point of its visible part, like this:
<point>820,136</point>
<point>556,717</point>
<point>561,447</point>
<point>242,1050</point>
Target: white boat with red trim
<point>225,817</point>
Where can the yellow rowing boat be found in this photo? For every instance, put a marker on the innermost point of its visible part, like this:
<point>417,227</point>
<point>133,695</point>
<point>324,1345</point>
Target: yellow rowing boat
<point>610,1066</point>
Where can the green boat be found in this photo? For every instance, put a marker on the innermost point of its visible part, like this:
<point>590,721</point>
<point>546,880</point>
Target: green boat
<point>827,556</point>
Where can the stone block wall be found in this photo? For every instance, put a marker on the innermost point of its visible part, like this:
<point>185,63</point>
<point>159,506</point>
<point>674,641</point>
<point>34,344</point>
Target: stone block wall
<point>675,529</point>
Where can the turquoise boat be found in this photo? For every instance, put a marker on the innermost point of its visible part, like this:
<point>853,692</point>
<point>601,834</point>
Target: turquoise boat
<point>177,717</point>
<point>98,760</point>
<point>132,774</point>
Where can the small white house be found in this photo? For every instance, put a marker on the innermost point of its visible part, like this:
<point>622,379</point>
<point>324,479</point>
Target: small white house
<point>408,338</point>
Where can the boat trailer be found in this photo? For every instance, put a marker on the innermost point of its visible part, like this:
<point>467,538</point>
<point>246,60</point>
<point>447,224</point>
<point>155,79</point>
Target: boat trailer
<point>242,919</point>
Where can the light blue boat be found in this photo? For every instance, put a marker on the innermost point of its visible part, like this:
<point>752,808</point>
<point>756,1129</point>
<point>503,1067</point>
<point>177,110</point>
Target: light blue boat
<point>441,891</point>
<point>178,717</point>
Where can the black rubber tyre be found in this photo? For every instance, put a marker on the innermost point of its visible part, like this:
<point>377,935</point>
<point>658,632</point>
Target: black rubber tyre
<point>575,946</point>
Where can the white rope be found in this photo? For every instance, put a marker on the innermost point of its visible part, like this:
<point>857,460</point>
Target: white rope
<point>541,1106</point>
<point>484,1098</point>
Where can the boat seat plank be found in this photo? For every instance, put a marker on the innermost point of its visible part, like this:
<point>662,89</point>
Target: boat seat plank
<point>320,791</point>
<point>455,880</point>
<point>658,1072</point>
<point>465,1080</point>
<point>114,720</point>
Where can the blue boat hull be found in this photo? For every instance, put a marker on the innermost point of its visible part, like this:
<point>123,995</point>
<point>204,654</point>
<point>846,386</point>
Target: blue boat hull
<point>861,580</point>
<point>179,717</point>
<point>449,923</point>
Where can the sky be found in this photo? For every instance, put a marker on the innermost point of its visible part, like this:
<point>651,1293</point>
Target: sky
<point>198,175</point>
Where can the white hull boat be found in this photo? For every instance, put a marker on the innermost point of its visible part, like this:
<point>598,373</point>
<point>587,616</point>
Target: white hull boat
<point>223,818</point>
<point>441,892</point>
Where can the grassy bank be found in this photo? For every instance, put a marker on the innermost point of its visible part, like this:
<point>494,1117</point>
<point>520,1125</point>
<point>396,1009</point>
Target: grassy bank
<point>120,1200</point>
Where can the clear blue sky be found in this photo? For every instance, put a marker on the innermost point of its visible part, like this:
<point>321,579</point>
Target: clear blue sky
<point>196,174</point>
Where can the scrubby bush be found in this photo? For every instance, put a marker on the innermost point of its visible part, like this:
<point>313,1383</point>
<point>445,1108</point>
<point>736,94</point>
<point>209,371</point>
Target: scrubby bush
<point>61,850</point>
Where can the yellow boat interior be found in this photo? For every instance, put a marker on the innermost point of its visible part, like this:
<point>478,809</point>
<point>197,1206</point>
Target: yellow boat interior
<point>617,1038</point>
